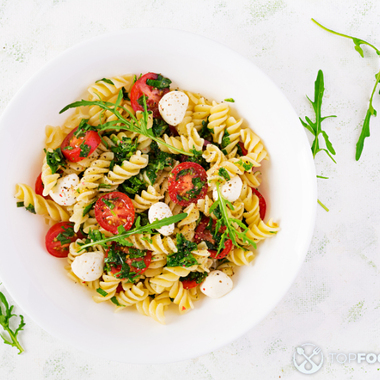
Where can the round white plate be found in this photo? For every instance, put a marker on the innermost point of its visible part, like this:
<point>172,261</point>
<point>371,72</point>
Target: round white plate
<point>38,282</point>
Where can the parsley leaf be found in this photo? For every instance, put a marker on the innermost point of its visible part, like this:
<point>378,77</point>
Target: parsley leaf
<point>316,128</point>
<point>84,149</point>
<point>5,316</point>
<point>82,129</point>
<point>55,159</point>
<point>64,237</point>
<point>224,173</point>
<point>31,208</point>
<point>159,83</point>
<point>205,132</point>
<point>159,127</point>
<point>125,94</point>
<point>124,149</point>
<point>183,257</point>
<point>109,81</point>
<point>198,277</point>
<point>20,204</point>
<point>132,186</point>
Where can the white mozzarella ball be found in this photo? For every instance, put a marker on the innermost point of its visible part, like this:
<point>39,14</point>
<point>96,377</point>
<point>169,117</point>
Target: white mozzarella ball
<point>230,190</point>
<point>216,285</point>
<point>173,106</point>
<point>159,211</point>
<point>89,266</point>
<point>64,192</point>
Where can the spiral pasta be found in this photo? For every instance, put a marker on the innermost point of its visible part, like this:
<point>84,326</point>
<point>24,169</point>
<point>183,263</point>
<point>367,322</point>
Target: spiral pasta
<point>131,294</point>
<point>240,257</point>
<point>154,307</point>
<point>253,145</point>
<point>49,179</point>
<point>169,276</point>
<point>109,285</point>
<point>181,297</point>
<point>146,199</point>
<point>194,141</point>
<point>41,206</point>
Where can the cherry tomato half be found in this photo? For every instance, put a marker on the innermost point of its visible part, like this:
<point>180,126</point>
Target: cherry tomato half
<point>147,259</point>
<point>187,183</point>
<point>59,237</point>
<point>113,210</point>
<point>189,284</point>
<point>153,95</point>
<point>39,187</point>
<point>262,203</point>
<point>77,149</point>
<point>227,248</point>
<point>201,234</point>
<point>243,150</point>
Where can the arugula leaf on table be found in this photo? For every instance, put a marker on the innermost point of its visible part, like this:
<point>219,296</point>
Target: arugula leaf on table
<point>316,128</point>
<point>5,316</point>
<point>371,111</point>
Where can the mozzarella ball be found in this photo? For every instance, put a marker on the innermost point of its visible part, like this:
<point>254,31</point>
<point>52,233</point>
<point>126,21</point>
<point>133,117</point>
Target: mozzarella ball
<point>173,106</point>
<point>216,285</point>
<point>64,192</point>
<point>230,190</point>
<point>89,266</point>
<point>159,211</point>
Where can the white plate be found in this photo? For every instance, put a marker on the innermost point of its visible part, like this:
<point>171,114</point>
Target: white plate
<point>37,281</point>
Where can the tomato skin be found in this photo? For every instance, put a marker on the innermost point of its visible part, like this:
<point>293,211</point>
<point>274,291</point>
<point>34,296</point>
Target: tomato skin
<point>54,246</point>
<point>243,150</point>
<point>189,284</point>
<point>262,203</point>
<point>153,95</point>
<point>147,260</point>
<point>39,187</point>
<point>91,138</point>
<point>180,185</point>
<point>228,246</point>
<point>201,234</point>
<point>122,213</point>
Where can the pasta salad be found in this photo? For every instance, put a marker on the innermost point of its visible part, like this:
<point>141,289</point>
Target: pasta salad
<point>151,194</point>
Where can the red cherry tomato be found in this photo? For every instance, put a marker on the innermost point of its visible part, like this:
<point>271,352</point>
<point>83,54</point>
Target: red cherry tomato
<point>228,246</point>
<point>201,234</point>
<point>187,183</point>
<point>77,149</point>
<point>262,203</point>
<point>39,187</point>
<point>173,130</point>
<point>113,210</point>
<point>59,237</point>
<point>188,284</point>
<point>153,95</point>
<point>147,259</point>
<point>243,150</point>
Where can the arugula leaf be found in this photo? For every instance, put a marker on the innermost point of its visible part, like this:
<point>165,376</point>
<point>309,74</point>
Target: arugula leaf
<point>96,237</point>
<point>159,127</point>
<point>224,173</point>
<point>109,81</point>
<point>55,159</point>
<point>229,100</point>
<point>183,257</point>
<point>88,208</point>
<point>365,128</point>
<point>5,316</point>
<point>159,83</point>
<point>133,125</point>
<point>371,111</point>
<point>316,128</point>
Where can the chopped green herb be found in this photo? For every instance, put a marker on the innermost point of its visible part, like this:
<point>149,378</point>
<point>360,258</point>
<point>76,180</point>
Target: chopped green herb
<point>84,150</point>
<point>102,292</point>
<point>205,132</point>
<point>197,276</point>
<point>108,203</point>
<point>159,83</point>
<point>20,204</point>
<point>31,209</point>
<point>322,205</point>
<point>64,237</point>
<point>5,316</point>
<point>125,94</point>
<point>116,302</point>
<point>183,257</point>
<point>229,100</point>
<point>226,140</point>
<point>109,81</point>
<point>224,173</point>
<point>87,209</point>
<point>83,128</point>
<point>139,264</point>
<point>123,149</point>
<point>104,186</point>
<point>159,127</point>
<point>132,186</point>
<point>55,159</point>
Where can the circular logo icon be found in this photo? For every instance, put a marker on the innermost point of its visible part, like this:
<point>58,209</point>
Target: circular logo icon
<point>308,358</point>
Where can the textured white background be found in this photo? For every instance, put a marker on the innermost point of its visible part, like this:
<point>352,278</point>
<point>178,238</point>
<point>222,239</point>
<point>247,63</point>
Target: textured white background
<point>334,301</point>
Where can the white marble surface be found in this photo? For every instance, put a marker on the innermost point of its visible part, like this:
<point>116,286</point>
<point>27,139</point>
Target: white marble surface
<point>334,301</point>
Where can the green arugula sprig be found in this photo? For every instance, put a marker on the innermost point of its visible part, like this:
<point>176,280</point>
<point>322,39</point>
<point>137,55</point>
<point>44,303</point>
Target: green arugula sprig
<point>5,316</point>
<point>231,232</point>
<point>316,128</point>
<point>96,237</point>
<point>365,132</point>
<point>133,125</point>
